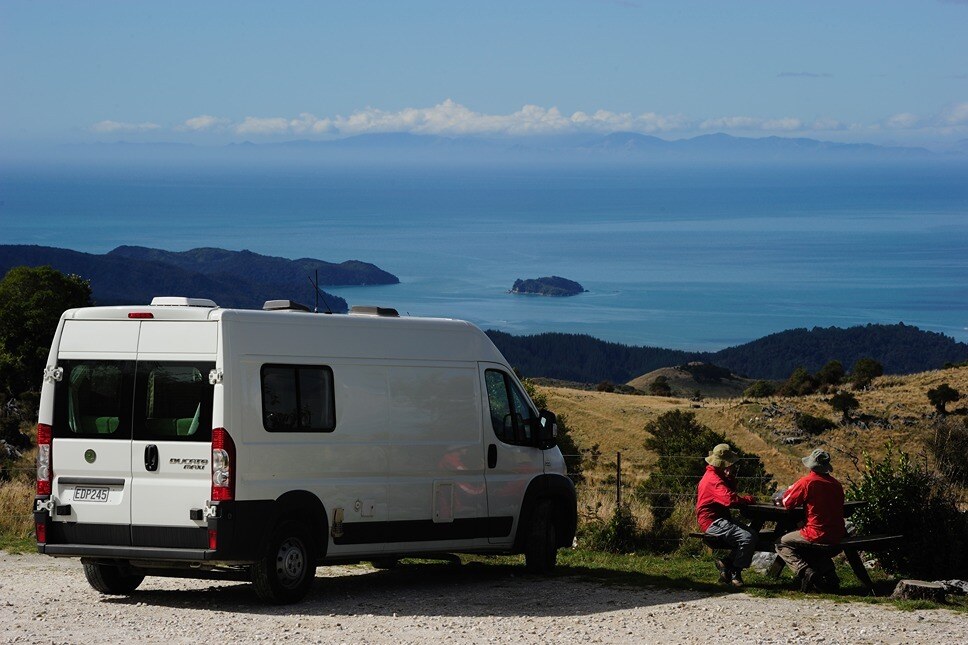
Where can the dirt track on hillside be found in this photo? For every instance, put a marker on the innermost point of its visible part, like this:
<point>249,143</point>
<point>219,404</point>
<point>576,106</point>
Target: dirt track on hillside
<point>48,600</point>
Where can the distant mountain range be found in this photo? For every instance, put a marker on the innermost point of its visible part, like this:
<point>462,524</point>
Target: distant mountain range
<point>900,348</point>
<point>620,147</point>
<point>133,275</point>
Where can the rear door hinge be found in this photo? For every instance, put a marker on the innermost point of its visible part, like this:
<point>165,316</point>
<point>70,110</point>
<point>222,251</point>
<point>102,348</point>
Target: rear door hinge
<point>215,376</point>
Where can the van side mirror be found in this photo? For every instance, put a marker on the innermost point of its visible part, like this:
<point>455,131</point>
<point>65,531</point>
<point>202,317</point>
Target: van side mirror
<point>547,429</point>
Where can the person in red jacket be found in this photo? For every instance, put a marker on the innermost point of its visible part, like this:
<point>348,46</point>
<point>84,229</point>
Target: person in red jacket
<point>715,496</point>
<point>822,497</point>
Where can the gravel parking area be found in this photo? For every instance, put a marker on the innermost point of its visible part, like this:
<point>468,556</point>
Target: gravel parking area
<point>48,600</point>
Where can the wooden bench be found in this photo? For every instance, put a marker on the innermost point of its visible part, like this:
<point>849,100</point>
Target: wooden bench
<point>850,546</point>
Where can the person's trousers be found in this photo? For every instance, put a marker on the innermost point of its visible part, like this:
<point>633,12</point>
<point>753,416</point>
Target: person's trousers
<point>799,553</point>
<point>739,538</point>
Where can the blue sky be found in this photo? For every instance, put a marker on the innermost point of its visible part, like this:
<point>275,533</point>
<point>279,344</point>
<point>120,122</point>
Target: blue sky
<point>211,72</point>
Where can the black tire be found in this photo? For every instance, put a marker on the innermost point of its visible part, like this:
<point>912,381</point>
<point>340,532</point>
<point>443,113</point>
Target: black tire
<point>541,550</point>
<point>286,572</point>
<point>385,563</point>
<point>111,580</point>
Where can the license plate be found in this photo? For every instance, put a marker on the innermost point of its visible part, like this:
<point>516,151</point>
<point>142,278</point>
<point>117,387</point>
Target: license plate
<point>91,494</point>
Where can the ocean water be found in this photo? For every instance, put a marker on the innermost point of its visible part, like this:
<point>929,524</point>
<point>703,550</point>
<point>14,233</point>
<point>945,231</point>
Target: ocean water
<point>690,258</point>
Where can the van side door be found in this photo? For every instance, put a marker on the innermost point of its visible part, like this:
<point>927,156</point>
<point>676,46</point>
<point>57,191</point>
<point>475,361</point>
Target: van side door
<point>512,456</point>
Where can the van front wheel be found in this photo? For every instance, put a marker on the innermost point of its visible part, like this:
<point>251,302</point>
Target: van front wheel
<point>541,551</point>
<point>111,580</point>
<point>287,570</point>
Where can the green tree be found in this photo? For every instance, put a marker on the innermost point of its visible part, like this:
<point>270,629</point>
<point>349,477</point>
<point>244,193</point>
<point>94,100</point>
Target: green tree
<point>865,370</point>
<point>831,374</point>
<point>605,386</point>
<point>844,402</point>
<point>660,387</point>
<point>941,396</point>
<point>800,383</point>
<point>681,443</point>
<point>31,302</point>
<point>760,389</point>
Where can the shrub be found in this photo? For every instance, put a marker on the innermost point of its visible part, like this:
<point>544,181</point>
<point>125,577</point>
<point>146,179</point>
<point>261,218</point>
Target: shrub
<point>760,389</point>
<point>941,396</point>
<point>831,374</point>
<point>620,534</point>
<point>605,386</point>
<point>800,383</point>
<point>865,370</point>
<point>682,443</point>
<point>908,500</point>
<point>660,387</point>
<point>814,425</point>
<point>844,402</point>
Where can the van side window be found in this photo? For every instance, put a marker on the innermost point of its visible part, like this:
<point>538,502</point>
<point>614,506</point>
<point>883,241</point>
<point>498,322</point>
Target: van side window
<point>298,398</point>
<point>511,416</point>
<point>93,399</point>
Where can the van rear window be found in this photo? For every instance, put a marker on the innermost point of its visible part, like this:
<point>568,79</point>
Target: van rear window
<point>173,401</point>
<point>93,399</point>
<point>298,398</point>
<point>153,400</point>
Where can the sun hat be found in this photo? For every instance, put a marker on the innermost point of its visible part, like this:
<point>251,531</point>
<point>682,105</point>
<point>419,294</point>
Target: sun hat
<point>722,456</point>
<point>818,461</point>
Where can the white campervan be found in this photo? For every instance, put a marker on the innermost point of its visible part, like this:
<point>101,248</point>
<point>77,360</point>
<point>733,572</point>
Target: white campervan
<point>188,440</point>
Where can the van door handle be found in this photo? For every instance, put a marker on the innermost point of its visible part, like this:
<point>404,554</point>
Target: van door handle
<point>492,456</point>
<point>151,457</point>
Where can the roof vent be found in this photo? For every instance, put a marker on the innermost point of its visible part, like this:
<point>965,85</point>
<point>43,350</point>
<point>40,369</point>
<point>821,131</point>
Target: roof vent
<point>283,305</point>
<point>385,312</point>
<point>178,301</point>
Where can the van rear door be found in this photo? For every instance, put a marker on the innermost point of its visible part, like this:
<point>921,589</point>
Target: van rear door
<point>172,433</point>
<point>91,428</point>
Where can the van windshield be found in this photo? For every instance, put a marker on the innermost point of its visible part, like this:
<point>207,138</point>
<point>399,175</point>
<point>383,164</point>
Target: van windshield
<point>152,400</point>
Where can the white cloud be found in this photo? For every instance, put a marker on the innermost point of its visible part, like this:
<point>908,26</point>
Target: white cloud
<point>902,121</point>
<point>956,115</point>
<point>202,122</point>
<point>120,126</point>
<point>828,125</point>
<point>263,126</point>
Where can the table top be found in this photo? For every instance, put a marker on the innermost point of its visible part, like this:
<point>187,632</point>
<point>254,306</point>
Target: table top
<point>770,512</point>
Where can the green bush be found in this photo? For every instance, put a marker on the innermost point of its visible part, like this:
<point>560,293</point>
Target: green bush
<point>682,443</point>
<point>814,425</point>
<point>760,389</point>
<point>800,383</point>
<point>906,499</point>
<point>620,534</point>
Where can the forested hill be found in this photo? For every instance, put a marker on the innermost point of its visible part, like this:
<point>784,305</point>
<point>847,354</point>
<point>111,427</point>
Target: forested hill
<point>133,275</point>
<point>578,357</point>
<point>901,349</point>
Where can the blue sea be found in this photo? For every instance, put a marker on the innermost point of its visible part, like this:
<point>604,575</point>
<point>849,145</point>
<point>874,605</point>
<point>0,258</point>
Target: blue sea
<point>680,257</point>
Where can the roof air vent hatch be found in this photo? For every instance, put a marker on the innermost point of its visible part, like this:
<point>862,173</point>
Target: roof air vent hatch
<point>385,312</point>
<point>178,301</point>
<point>283,305</point>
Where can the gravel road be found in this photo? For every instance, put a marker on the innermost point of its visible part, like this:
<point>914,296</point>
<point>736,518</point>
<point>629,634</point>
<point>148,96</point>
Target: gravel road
<point>43,599</point>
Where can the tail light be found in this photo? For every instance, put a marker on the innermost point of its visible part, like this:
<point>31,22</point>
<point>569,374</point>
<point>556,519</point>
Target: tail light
<point>223,466</point>
<point>44,459</point>
<point>212,540</point>
<point>41,532</point>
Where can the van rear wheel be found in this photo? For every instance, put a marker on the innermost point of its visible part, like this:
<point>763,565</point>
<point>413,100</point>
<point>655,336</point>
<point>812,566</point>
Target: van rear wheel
<point>287,570</point>
<point>541,550</point>
<point>110,579</point>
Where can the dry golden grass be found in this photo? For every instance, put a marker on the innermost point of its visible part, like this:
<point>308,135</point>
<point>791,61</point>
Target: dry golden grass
<point>16,519</point>
<point>616,422</point>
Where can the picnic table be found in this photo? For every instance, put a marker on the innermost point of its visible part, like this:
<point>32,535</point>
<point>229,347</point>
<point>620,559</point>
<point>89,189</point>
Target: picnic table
<point>785,520</point>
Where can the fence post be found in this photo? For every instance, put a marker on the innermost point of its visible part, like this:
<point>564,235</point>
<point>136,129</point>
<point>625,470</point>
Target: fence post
<point>618,480</point>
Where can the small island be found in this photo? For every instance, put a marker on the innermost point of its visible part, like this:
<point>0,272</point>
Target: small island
<point>548,286</point>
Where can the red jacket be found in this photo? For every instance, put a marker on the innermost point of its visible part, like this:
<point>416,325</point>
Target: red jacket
<point>716,495</point>
<point>822,497</point>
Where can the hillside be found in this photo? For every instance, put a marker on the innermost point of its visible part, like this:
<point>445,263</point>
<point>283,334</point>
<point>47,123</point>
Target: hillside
<point>900,348</point>
<point>230,278</point>
<point>894,409</point>
<point>685,382</point>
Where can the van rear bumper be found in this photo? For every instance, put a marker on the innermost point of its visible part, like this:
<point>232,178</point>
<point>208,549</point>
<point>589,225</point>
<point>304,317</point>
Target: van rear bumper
<point>127,552</point>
